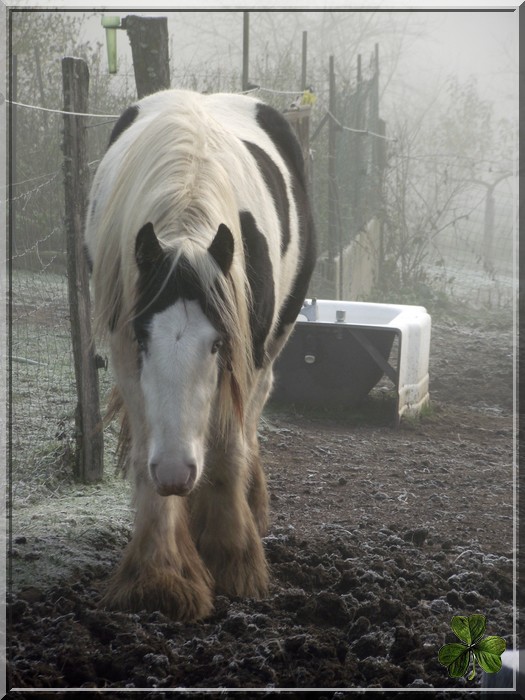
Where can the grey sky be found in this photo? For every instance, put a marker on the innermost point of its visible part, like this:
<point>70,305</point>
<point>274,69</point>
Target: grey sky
<point>484,44</point>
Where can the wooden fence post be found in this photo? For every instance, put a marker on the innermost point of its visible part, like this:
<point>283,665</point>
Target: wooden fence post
<point>90,439</point>
<point>149,41</point>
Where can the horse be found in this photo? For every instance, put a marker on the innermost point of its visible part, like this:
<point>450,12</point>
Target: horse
<point>201,244</point>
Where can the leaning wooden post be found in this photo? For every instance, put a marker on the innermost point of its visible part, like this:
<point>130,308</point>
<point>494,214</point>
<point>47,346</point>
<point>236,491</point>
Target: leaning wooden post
<point>89,442</point>
<point>149,41</point>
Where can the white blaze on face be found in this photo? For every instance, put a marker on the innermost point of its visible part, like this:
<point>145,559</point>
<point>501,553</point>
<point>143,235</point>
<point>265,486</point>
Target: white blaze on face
<point>179,377</point>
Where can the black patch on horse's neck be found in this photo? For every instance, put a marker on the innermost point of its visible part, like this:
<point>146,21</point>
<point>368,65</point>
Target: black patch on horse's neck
<point>260,277</point>
<point>125,120</point>
<point>307,250</point>
<point>277,187</point>
<point>283,136</point>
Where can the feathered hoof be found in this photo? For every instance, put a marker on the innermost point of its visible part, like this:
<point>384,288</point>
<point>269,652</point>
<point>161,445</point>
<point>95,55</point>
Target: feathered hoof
<point>258,499</point>
<point>241,573</point>
<point>259,510</point>
<point>163,590</point>
<point>258,502</point>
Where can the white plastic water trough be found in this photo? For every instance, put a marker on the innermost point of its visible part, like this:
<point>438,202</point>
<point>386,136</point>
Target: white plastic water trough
<point>339,350</point>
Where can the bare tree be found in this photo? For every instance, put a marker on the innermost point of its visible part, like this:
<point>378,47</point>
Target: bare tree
<point>440,154</point>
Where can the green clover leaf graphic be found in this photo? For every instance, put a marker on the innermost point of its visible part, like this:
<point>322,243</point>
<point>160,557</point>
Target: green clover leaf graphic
<point>473,647</point>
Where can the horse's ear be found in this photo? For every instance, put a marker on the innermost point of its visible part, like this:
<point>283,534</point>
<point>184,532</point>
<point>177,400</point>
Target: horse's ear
<point>221,248</point>
<point>147,248</point>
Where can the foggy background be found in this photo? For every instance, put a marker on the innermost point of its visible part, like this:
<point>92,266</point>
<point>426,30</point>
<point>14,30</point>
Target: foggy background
<point>419,48</point>
<point>439,230</point>
<point>447,94</point>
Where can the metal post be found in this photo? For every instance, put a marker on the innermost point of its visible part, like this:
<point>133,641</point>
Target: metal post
<point>304,60</point>
<point>488,230</point>
<point>12,154</point>
<point>377,144</point>
<point>245,51</point>
<point>359,171</point>
<point>332,225</point>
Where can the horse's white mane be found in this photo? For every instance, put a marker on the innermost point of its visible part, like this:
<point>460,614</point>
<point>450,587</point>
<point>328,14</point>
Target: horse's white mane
<point>170,174</point>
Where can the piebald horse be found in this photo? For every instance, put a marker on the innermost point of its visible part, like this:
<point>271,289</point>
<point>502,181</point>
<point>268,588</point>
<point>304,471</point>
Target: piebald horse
<point>201,243</point>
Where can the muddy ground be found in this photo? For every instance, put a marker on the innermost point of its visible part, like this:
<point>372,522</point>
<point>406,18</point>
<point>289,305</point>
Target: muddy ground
<point>378,537</point>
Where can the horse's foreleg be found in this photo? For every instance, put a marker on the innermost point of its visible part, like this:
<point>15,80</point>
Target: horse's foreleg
<point>257,489</point>
<point>224,526</point>
<point>160,568</point>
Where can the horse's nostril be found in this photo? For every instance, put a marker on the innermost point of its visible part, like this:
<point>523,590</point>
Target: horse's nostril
<point>192,475</point>
<point>153,468</point>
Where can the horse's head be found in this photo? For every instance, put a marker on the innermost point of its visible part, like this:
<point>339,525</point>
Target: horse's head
<point>184,349</point>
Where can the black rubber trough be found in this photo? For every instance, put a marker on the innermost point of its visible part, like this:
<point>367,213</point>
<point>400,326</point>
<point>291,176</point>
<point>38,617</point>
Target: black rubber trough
<point>340,350</point>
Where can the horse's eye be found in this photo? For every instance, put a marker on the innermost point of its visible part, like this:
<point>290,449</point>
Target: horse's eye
<point>217,345</point>
<point>141,344</point>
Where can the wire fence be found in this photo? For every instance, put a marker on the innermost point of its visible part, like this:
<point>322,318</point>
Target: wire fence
<point>44,395</point>
<point>43,388</point>
<point>43,382</point>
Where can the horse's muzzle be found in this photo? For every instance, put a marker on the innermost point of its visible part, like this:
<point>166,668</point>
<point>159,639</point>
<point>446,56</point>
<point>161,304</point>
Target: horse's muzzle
<point>173,481</point>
